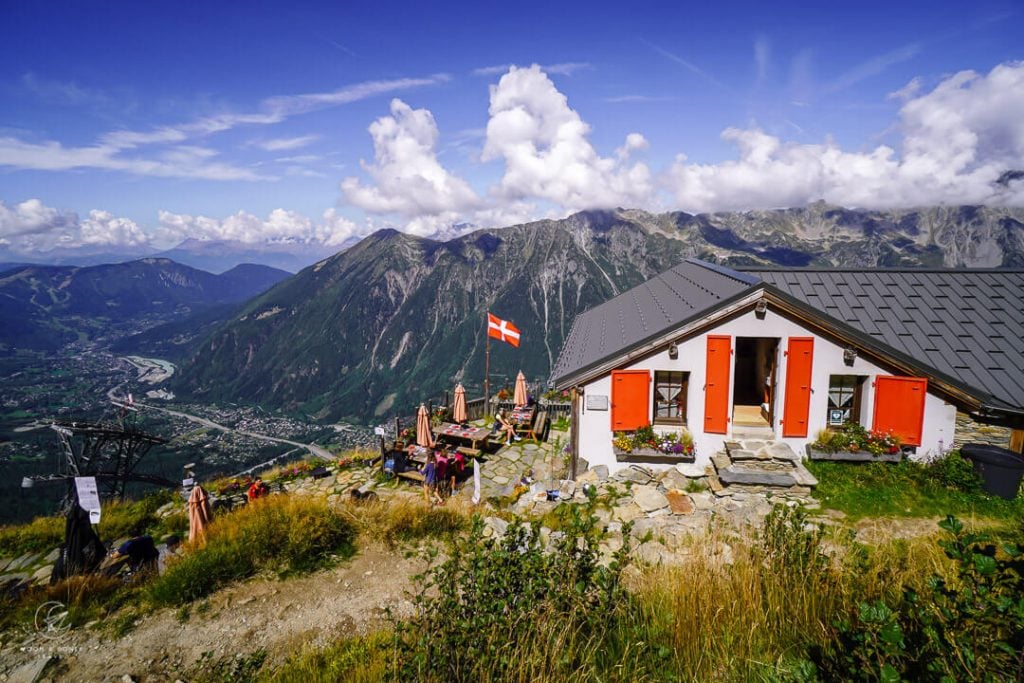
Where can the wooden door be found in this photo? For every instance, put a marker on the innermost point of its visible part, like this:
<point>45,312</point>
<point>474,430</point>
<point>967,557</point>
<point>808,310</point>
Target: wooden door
<point>797,401</point>
<point>716,389</point>
<point>899,407</point>
<point>631,391</point>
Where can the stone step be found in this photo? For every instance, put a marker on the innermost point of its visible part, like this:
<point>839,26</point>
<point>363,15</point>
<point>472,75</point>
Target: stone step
<point>758,477</point>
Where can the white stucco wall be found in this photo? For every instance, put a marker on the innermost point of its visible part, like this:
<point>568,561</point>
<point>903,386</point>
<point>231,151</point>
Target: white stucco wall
<point>595,442</point>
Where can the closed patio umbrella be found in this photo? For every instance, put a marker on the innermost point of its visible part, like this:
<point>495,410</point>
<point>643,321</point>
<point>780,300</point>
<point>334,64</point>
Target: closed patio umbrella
<point>199,514</point>
<point>459,409</point>
<point>519,398</point>
<point>423,435</point>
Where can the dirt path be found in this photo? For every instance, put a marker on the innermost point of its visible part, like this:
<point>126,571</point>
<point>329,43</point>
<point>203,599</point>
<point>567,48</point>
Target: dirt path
<point>279,616</point>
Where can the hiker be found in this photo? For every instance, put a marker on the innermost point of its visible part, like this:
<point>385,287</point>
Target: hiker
<point>456,466</point>
<point>442,471</point>
<point>429,471</point>
<point>139,553</point>
<point>257,489</point>
<point>503,424</point>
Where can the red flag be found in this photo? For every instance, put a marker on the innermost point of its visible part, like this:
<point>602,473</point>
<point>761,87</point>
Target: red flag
<point>502,329</point>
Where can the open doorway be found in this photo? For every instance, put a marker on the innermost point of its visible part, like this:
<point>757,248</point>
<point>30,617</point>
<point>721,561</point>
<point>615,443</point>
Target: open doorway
<point>754,382</point>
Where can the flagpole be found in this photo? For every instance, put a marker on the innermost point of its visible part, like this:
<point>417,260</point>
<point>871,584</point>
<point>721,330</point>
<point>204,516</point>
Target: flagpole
<point>487,366</point>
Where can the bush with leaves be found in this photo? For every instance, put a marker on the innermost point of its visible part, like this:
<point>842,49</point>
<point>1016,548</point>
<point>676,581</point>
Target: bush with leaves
<point>968,628</point>
<point>514,609</point>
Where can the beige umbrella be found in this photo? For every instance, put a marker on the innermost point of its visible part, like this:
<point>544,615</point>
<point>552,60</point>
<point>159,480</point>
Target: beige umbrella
<point>459,409</point>
<point>423,435</point>
<point>199,514</point>
<point>519,398</point>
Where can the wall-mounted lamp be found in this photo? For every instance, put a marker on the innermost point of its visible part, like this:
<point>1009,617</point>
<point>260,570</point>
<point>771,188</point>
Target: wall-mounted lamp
<point>760,308</point>
<point>849,355</point>
<point>673,351</point>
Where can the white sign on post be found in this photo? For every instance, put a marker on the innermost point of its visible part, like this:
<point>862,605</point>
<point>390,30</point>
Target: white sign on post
<point>379,431</point>
<point>89,497</point>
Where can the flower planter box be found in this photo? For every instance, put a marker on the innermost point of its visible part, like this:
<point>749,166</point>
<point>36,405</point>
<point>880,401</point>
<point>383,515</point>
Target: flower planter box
<point>852,456</point>
<point>652,455</point>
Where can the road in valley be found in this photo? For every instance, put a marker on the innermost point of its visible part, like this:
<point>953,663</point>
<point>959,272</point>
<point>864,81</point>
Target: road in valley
<point>315,450</point>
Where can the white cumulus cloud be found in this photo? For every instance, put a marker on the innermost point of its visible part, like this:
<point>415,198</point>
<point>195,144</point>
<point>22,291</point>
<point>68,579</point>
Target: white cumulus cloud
<point>32,227</point>
<point>547,154</point>
<point>957,141</point>
<point>408,178</point>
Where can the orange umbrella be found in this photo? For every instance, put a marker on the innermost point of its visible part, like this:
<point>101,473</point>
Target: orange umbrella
<point>459,409</point>
<point>423,435</point>
<point>199,514</point>
<point>519,398</point>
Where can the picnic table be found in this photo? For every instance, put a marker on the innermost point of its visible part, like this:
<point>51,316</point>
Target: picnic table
<point>476,437</point>
<point>522,418</point>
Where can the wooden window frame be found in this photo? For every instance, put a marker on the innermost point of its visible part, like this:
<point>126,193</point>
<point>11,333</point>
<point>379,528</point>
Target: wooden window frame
<point>683,403</point>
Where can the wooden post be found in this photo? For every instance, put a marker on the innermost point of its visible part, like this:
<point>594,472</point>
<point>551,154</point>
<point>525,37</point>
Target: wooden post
<point>1017,440</point>
<point>574,435</point>
<point>398,429</point>
<point>487,367</point>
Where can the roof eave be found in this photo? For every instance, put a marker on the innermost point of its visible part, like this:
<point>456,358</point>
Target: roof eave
<point>704,318</point>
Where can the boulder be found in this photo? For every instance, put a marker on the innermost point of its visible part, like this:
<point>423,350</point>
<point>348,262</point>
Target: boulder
<point>566,489</point>
<point>635,474</point>
<point>649,498</point>
<point>673,479</point>
<point>627,513</point>
<point>601,471</point>
<point>497,526</point>
<point>691,470</point>
<point>679,503</point>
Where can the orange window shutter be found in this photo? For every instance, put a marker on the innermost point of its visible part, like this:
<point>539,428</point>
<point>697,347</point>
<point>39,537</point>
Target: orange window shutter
<point>630,399</point>
<point>716,391</point>
<point>797,407</point>
<point>899,407</point>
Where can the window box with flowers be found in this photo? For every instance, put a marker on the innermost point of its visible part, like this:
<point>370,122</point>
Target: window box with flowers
<point>854,443</point>
<point>645,445</point>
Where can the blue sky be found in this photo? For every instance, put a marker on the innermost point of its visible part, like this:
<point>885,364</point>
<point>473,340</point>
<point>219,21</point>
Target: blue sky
<point>144,123</point>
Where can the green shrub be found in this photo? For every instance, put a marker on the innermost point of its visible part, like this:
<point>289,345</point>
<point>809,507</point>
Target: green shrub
<point>510,609</point>
<point>955,472</point>
<point>280,533</point>
<point>967,628</point>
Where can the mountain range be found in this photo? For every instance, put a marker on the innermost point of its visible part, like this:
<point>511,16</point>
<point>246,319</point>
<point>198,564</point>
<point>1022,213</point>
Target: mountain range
<point>46,307</point>
<point>376,328</point>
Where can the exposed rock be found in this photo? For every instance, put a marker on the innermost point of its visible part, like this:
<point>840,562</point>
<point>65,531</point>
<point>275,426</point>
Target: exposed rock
<point>635,474</point>
<point>679,503</point>
<point>627,513</point>
<point>30,672</point>
<point>691,470</point>
<point>496,525</point>
<point>601,471</point>
<point>673,479</point>
<point>703,500</point>
<point>649,498</point>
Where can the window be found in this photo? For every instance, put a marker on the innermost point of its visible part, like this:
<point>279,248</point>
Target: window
<point>670,397</point>
<point>844,399</point>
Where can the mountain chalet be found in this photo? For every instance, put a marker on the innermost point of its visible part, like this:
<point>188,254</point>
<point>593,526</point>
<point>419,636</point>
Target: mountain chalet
<point>780,354</point>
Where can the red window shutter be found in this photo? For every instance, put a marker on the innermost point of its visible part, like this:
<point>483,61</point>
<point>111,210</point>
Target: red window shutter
<point>797,407</point>
<point>716,390</point>
<point>630,398</point>
<point>899,407</point>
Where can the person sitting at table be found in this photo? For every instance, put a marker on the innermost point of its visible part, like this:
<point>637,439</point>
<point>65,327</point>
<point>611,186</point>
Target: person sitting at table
<point>504,424</point>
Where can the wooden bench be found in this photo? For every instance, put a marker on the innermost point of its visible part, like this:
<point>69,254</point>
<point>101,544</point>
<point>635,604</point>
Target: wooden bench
<point>411,475</point>
<point>469,452</point>
<point>538,432</point>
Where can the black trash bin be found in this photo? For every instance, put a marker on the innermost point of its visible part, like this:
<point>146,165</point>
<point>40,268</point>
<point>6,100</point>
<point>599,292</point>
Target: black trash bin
<point>1000,469</point>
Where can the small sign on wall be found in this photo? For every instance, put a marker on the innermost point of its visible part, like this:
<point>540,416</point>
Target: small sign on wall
<point>597,402</point>
<point>835,417</point>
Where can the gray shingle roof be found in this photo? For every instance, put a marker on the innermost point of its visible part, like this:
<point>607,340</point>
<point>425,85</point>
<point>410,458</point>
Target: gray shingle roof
<point>967,324</point>
<point>680,294</point>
